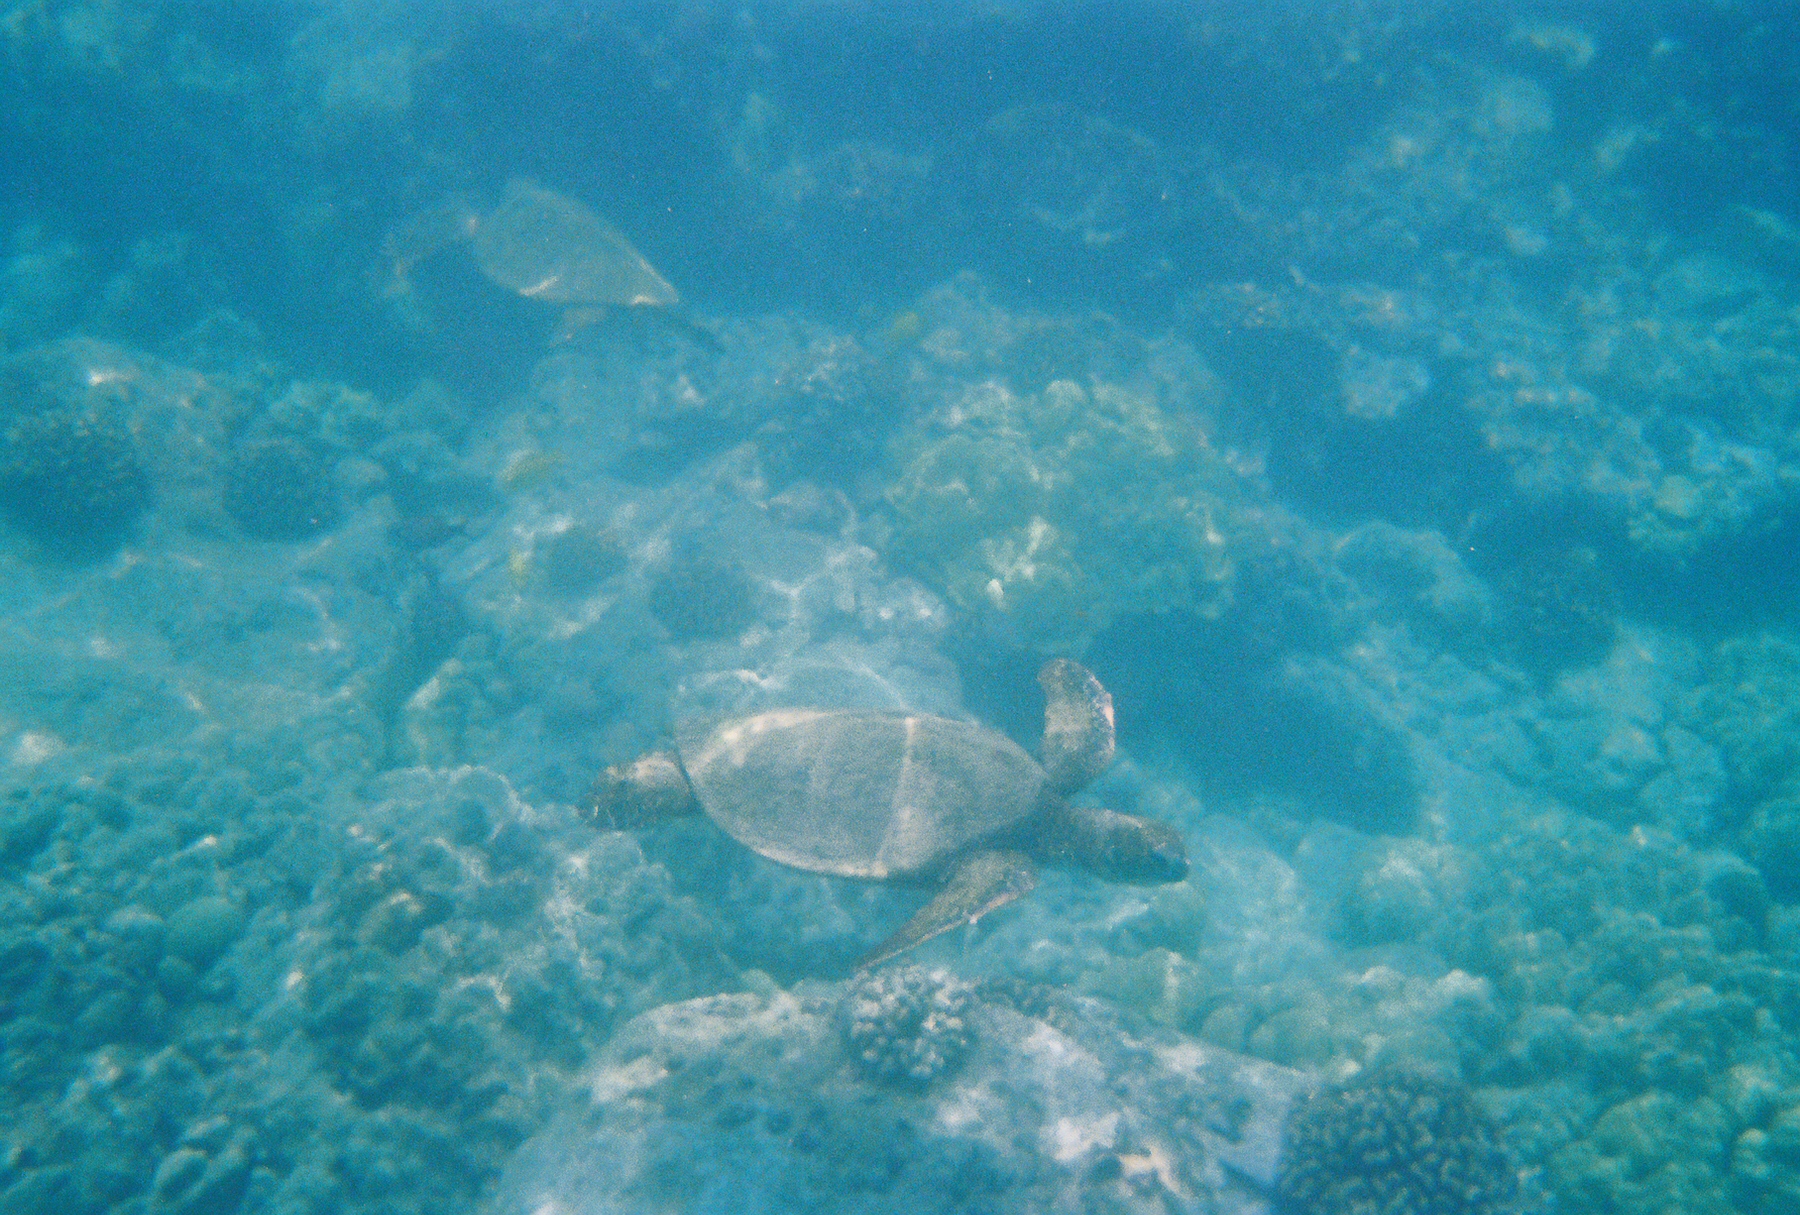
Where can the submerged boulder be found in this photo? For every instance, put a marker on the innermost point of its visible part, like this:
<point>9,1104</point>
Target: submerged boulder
<point>763,1102</point>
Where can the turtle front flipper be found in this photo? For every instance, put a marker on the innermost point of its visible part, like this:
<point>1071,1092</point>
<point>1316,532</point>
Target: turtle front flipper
<point>1078,726</point>
<point>1117,847</point>
<point>641,793</point>
<point>980,883</point>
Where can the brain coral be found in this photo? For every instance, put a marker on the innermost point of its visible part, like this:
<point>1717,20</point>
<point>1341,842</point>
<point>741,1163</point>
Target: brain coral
<point>72,483</point>
<point>1399,1144</point>
<point>1064,510</point>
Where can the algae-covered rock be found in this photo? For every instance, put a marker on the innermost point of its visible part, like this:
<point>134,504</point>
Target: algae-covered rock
<point>1062,510</point>
<point>457,715</point>
<point>1750,709</point>
<point>1167,988</point>
<point>199,931</point>
<point>1771,842</point>
<point>1381,890</point>
<point>700,596</point>
<point>280,490</point>
<point>573,559</point>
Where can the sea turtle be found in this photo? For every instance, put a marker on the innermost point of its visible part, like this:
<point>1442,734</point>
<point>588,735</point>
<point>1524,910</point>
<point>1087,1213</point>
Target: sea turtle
<point>905,797</point>
<point>539,244</point>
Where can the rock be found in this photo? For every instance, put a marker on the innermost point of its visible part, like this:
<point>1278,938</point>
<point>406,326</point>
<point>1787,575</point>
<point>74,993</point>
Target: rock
<point>693,1106</point>
<point>203,929</point>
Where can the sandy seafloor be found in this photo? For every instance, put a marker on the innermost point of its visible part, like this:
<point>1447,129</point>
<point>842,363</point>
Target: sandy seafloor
<point>1397,407</point>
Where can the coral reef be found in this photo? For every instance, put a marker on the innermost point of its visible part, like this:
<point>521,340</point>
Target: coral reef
<point>835,413</point>
<point>1770,840</point>
<point>1396,1144</point>
<point>290,1002</point>
<point>456,713</point>
<point>73,483</point>
<point>280,489</point>
<point>1381,890</point>
<point>1057,512</point>
<point>1749,708</point>
<point>1560,610</point>
<point>698,1104</point>
<point>1638,998</point>
<point>907,1024</point>
<point>1655,1152</point>
<point>1454,616</point>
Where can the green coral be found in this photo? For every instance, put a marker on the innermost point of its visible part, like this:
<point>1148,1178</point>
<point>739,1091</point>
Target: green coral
<point>72,482</point>
<point>1751,708</point>
<point>908,1025</point>
<point>1648,978</point>
<point>1650,1154</point>
<point>1064,510</point>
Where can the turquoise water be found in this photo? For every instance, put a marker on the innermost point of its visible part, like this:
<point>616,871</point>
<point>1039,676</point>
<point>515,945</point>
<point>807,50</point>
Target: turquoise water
<point>409,413</point>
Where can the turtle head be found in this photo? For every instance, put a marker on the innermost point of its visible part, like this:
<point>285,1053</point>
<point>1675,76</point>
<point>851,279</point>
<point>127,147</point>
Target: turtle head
<point>1119,847</point>
<point>643,792</point>
<point>1142,850</point>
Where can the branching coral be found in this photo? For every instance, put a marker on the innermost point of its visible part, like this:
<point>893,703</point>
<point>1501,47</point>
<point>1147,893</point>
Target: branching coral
<point>1399,1144</point>
<point>908,1025</point>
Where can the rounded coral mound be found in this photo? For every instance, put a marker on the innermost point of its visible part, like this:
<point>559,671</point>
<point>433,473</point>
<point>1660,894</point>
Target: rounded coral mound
<point>1397,1144</point>
<point>280,489</point>
<point>72,483</point>
<point>1061,511</point>
<point>908,1025</point>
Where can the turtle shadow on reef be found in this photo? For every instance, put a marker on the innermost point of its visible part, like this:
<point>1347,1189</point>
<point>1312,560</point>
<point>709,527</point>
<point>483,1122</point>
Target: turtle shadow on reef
<point>903,797</point>
<point>1256,718</point>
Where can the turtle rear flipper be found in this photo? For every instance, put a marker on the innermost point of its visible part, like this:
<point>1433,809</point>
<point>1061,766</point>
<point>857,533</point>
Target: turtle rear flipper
<point>980,883</point>
<point>1078,726</point>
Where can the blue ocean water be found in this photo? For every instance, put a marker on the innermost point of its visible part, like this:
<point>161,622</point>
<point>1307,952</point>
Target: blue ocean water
<point>535,538</point>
